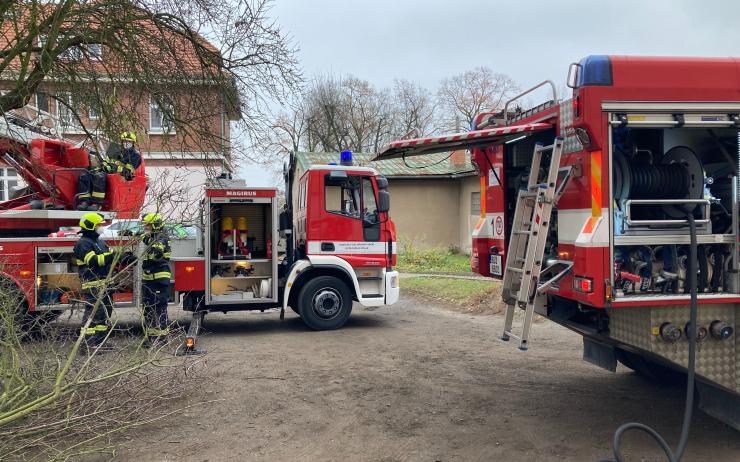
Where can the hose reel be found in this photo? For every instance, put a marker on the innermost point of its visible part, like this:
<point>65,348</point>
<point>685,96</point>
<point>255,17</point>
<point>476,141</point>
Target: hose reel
<point>678,176</point>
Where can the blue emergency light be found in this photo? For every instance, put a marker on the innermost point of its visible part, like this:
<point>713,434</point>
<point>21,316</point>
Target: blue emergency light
<point>345,158</point>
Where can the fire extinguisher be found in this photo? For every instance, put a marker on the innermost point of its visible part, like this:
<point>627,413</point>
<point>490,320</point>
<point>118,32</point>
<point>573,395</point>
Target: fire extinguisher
<point>269,248</point>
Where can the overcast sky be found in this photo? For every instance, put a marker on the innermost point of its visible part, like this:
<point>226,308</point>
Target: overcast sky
<point>427,40</point>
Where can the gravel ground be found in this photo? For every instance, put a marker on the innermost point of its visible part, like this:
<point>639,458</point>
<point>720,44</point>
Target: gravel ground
<point>413,382</point>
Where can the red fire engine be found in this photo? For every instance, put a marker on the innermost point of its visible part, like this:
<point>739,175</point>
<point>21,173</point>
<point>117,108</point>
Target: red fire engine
<point>340,238</point>
<point>585,213</point>
<point>37,265</point>
<point>340,247</point>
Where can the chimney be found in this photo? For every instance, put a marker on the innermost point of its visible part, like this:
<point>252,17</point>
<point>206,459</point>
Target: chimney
<point>457,159</point>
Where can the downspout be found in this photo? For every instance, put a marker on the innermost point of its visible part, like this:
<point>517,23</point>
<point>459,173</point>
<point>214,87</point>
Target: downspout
<point>223,132</point>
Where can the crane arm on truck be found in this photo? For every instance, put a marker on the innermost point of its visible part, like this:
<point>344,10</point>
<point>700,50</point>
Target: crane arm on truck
<point>51,167</point>
<point>467,140</point>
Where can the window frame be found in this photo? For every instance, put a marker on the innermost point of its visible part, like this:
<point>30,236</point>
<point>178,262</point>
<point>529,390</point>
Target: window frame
<point>358,215</point>
<point>49,101</point>
<point>93,112</point>
<point>5,178</point>
<point>163,129</point>
<point>72,127</point>
<point>369,181</point>
<point>472,195</point>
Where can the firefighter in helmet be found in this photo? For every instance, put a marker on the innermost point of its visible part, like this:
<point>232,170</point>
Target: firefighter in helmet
<point>94,259</point>
<point>128,160</point>
<point>156,278</point>
<point>91,185</point>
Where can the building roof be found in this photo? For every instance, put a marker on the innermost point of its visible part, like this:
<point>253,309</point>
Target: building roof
<point>431,166</point>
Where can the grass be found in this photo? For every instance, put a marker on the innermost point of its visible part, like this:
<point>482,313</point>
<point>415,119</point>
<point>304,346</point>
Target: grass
<point>467,295</point>
<point>432,261</point>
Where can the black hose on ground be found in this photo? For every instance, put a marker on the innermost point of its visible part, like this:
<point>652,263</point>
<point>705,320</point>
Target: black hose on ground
<point>689,408</point>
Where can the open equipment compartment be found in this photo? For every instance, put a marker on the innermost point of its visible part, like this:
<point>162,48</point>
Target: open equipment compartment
<point>241,263</point>
<point>661,167</point>
<point>58,283</point>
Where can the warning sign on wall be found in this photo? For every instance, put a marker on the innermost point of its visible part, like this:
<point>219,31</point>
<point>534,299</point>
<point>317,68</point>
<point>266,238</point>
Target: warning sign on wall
<point>497,223</point>
<point>493,179</point>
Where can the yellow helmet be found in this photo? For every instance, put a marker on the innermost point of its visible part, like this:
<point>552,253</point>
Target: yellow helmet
<point>90,220</point>
<point>241,224</point>
<point>128,136</point>
<point>153,219</point>
<point>227,224</point>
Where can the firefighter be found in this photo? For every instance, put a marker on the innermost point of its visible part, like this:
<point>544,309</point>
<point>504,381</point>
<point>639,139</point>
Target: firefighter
<point>129,158</point>
<point>156,279</point>
<point>94,258</point>
<point>91,188</point>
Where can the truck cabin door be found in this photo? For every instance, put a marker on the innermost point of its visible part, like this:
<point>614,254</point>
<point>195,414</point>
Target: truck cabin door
<point>350,201</point>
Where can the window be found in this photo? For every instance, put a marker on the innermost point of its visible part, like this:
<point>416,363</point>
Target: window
<point>67,118</point>
<point>302,194</point>
<point>93,111</point>
<point>92,51</point>
<point>8,180</point>
<point>42,101</point>
<point>369,205</point>
<point>342,195</point>
<point>160,117</point>
<point>475,203</point>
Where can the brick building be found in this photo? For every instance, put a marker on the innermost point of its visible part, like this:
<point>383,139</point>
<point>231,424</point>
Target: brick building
<point>176,159</point>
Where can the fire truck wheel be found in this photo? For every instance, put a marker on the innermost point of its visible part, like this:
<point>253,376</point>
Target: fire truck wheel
<point>325,303</point>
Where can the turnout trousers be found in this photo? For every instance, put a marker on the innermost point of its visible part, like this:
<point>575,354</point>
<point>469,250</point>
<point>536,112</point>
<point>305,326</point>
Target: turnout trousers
<point>155,296</point>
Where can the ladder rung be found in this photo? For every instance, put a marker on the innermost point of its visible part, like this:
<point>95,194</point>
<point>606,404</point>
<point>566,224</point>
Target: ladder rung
<point>521,231</point>
<point>515,269</point>
<point>527,194</point>
<point>514,336</point>
<point>520,260</point>
<point>549,147</point>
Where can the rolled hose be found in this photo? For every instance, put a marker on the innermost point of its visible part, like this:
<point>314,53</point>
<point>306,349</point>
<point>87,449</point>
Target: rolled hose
<point>689,407</point>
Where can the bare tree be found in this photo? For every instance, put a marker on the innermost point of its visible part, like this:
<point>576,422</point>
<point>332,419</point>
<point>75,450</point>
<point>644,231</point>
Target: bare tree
<point>334,114</point>
<point>464,96</point>
<point>414,109</point>
<point>201,62</point>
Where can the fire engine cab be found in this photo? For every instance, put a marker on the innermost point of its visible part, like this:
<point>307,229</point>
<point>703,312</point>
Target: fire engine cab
<point>586,207</point>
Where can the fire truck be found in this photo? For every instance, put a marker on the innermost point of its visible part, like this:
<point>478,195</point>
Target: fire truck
<point>340,246</point>
<point>32,262</point>
<point>340,238</point>
<point>591,207</point>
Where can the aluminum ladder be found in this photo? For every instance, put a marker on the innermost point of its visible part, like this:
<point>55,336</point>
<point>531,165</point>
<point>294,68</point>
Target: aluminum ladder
<point>521,286</point>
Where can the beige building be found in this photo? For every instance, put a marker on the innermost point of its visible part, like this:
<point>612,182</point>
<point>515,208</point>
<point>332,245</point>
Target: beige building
<point>435,200</point>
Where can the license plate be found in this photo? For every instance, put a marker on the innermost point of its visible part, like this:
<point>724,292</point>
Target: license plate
<point>495,265</point>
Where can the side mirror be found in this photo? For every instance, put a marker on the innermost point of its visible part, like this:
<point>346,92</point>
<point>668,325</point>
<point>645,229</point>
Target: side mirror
<point>384,201</point>
<point>382,182</point>
<point>573,70</point>
<point>284,221</point>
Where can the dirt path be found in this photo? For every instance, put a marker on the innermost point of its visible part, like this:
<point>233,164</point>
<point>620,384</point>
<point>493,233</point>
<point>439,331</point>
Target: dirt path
<point>413,382</point>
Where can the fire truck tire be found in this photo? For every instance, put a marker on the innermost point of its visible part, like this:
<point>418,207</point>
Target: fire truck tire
<point>325,303</point>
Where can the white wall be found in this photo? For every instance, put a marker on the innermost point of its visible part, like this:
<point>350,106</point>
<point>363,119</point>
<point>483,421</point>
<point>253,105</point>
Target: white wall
<point>175,191</point>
